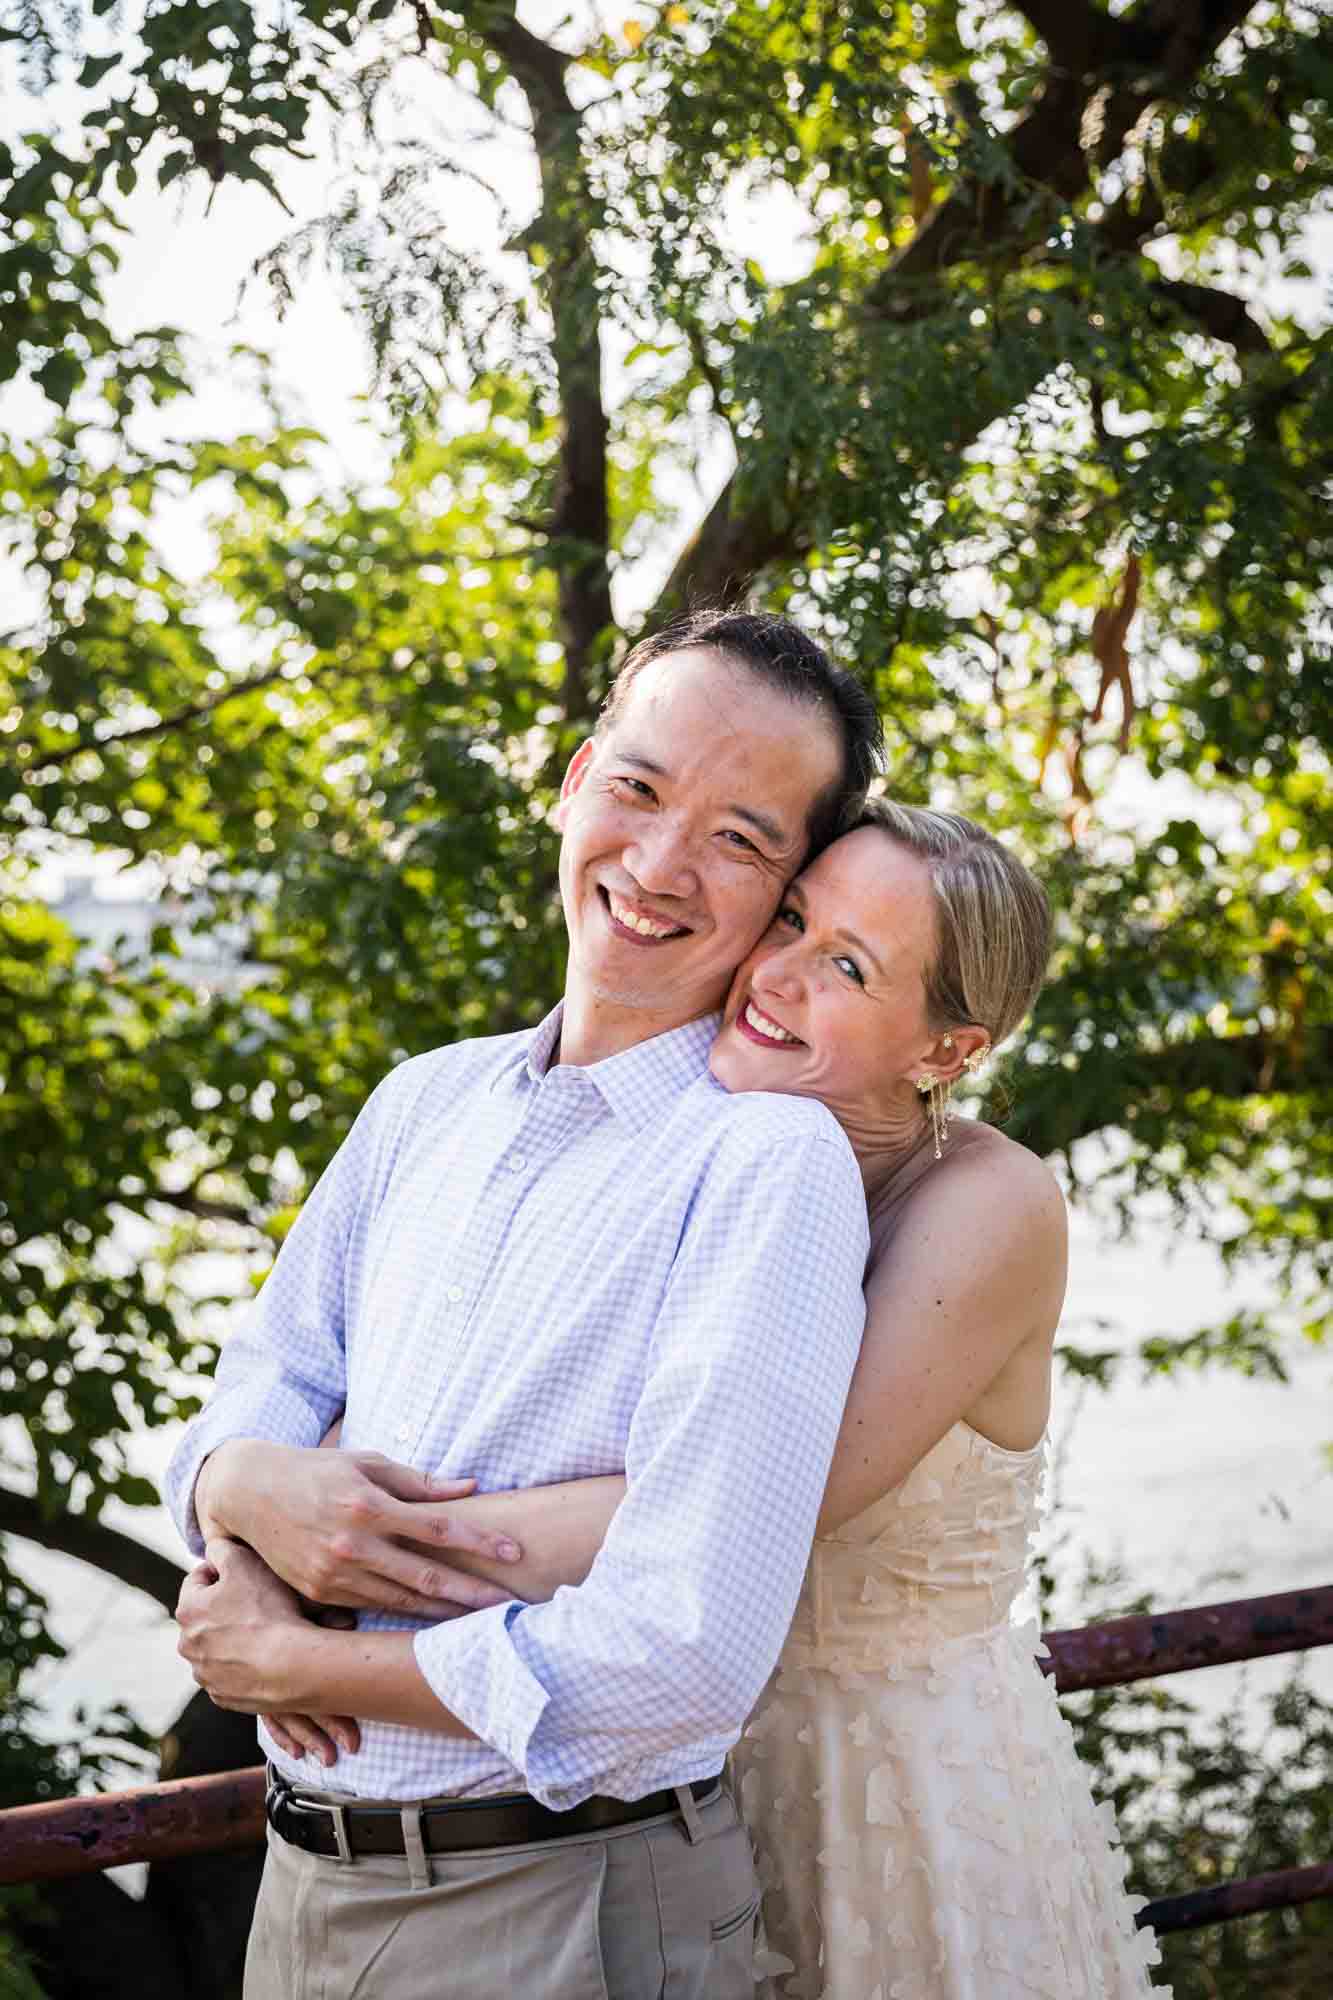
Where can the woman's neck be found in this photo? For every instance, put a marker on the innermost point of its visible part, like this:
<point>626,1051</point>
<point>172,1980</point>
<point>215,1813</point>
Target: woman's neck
<point>890,1156</point>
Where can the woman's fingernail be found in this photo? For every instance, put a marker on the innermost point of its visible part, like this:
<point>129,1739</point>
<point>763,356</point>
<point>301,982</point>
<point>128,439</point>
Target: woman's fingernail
<point>509,1552</point>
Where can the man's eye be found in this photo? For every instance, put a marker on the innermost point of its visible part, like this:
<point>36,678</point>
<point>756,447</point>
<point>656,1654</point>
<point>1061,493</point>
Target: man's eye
<point>637,786</point>
<point>793,918</point>
<point>740,840</point>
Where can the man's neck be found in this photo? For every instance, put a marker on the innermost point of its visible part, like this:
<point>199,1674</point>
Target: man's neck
<point>592,1029</point>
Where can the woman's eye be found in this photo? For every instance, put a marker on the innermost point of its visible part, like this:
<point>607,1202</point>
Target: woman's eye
<point>790,917</point>
<point>851,968</point>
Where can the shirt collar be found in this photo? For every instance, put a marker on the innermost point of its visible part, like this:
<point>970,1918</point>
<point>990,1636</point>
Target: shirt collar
<point>635,1084</point>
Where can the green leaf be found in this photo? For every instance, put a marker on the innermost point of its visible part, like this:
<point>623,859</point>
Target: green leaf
<point>95,68</point>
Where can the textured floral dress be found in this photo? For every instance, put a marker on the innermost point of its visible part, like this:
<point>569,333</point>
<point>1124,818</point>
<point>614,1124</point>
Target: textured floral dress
<point>924,1828</point>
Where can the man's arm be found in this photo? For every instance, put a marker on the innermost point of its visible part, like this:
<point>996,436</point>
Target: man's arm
<point>328,1523</point>
<point>677,1626</point>
<point>283,1373</point>
<point>243,1632</point>
<point>671,1637</point>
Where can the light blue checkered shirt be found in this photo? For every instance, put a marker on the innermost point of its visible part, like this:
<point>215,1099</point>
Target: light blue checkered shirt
<point>523,1274</point>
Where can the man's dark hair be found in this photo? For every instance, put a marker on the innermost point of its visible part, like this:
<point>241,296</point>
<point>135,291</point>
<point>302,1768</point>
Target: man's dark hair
<point>788,659</point>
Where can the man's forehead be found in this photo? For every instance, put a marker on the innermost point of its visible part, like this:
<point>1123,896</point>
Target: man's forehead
<point>741,704</point>
<point>724,731</point>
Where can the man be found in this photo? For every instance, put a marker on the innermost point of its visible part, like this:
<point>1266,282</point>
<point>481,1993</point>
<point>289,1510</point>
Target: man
<point>552,1254</point>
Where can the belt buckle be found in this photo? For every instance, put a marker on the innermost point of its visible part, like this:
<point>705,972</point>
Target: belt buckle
<point>337,1813</point>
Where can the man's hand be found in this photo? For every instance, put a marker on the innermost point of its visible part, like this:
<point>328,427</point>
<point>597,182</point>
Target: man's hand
<point>319,1736</point>
<point>235,1618</point>
<point>349,1528</point>
<point>252,1650</point>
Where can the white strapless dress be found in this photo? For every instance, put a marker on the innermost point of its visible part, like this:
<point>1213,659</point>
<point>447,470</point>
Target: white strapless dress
<point>923,1826</point>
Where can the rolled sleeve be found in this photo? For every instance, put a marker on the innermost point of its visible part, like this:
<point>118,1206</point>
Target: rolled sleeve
<point>668,1643</point>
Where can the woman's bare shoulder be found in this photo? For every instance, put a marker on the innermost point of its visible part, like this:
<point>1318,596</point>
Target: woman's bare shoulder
<point>989,1158</point>
<point>988,1187</point>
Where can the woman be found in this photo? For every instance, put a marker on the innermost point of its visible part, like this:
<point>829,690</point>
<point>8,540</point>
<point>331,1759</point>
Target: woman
<point>923,1828</point>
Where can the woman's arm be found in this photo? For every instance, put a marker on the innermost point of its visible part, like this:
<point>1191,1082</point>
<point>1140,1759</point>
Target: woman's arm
<point>560,1529</point>
<point>961,1311</point>
<point>961,1314</point>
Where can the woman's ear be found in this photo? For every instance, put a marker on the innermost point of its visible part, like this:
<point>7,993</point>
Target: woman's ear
<point>575,773</point>
<point>959,1049</point>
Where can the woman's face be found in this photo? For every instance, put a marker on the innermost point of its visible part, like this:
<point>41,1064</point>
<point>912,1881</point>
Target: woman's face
<point>831,1002</point>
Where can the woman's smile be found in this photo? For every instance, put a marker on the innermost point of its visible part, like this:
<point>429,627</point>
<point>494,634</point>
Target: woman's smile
<point>761,1028</point>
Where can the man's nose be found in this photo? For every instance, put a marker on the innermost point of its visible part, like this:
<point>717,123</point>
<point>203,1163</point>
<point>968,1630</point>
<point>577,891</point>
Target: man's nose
<point>661,859</point>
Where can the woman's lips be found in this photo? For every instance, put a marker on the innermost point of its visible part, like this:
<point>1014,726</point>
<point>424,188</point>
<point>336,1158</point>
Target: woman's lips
<point>746,1024</point>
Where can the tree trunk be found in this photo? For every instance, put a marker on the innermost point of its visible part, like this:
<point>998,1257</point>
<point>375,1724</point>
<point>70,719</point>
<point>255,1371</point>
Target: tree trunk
<point>205,1901</point>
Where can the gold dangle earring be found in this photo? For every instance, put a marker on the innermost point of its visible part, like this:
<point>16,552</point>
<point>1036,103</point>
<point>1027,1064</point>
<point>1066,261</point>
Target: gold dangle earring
<point>938,1095</point>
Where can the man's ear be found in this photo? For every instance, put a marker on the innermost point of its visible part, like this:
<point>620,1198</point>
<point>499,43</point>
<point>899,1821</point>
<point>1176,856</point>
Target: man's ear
<point>573,778</point>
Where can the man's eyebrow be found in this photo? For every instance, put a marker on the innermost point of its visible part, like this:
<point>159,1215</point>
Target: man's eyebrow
<point>761,822</point>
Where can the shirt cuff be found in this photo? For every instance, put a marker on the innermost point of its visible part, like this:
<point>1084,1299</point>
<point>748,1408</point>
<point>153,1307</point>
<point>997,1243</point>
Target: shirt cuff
<point>475,1672</point>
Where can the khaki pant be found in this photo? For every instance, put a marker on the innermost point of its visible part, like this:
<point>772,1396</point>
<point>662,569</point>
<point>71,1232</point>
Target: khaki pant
<point>665,1909</point>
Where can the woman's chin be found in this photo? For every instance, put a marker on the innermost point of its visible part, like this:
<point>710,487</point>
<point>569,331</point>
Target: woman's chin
<point>729,1065</point>
<point>737,1067</point>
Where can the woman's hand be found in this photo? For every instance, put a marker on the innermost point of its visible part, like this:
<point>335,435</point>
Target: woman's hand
<point>352,1528</point>
<point>318,1736</point>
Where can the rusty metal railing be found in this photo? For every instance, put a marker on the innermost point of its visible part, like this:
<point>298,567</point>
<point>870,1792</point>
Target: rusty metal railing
<point>41,1843</point>
<point>1174,1642</point>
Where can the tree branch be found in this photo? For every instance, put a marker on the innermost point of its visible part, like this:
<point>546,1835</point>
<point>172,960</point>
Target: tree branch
<point>726,552</point>
<point>190,1203</point>
<point>996,219</point>
<point>1220,314</point>
<point>1051,1115</point>
<point>192,712</point>
<point>567,277</point>
<point>537,67</point>
<point>1078,37</point>
<point>121,1556</point>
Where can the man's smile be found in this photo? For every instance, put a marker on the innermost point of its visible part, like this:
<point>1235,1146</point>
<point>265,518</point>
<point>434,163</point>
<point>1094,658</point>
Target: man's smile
<point>637,922</point>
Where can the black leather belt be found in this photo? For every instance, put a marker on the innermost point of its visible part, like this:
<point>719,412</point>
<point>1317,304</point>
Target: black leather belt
<point>320,1827</point>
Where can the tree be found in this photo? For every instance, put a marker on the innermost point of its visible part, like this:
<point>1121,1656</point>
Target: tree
<point>1021,440</point>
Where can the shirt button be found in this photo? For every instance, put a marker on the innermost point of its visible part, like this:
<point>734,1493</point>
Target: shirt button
<point>454,1294</point>
<point>517,1162</point>
<point>402,1434</point>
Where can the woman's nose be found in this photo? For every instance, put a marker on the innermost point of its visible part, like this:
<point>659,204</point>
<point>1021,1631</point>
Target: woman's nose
<point>780,972</point>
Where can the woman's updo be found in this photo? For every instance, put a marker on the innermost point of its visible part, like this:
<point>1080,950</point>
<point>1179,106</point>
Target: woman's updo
<point>992,920</point>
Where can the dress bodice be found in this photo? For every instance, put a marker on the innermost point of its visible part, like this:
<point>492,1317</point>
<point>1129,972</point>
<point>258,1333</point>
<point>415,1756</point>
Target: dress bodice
<point>939,1558</point>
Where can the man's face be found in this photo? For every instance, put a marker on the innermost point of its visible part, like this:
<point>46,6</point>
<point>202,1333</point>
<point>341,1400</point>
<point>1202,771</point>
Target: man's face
<point>683,821</point>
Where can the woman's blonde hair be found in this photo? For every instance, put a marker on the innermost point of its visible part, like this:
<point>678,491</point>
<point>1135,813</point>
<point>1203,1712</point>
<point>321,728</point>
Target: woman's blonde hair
<point>992,919</point>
